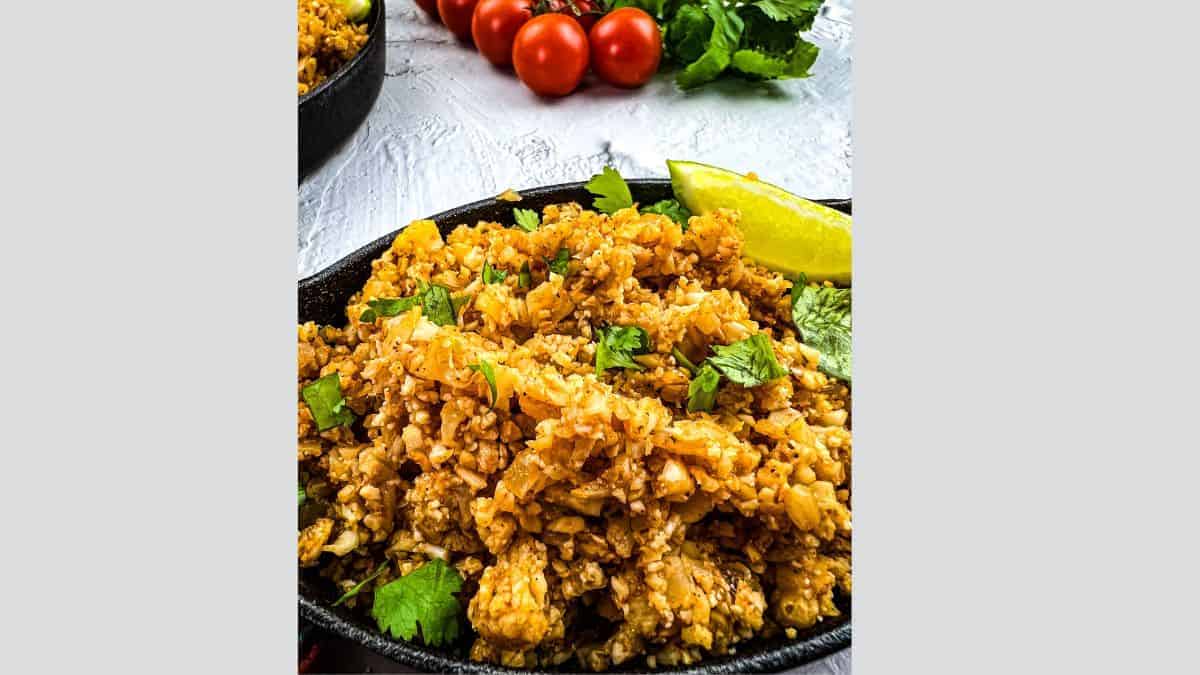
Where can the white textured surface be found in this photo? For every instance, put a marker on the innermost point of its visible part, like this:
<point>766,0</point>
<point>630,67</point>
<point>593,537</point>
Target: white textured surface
<point>448,129</point>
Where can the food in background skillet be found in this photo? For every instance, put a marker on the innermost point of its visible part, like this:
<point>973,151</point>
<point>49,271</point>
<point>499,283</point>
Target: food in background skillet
<point>328,34</point>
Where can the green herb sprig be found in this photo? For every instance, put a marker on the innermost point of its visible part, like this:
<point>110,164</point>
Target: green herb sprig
<point>435,300</point>
<point>489,373</point>
<point>611,190</point>
<point>491,275</point>
<point>325,402</point>
<point>750,362</point>
<point>672,209</point>
<point>559,263</point>
<point>527,219</point>
<point>617,345</point>
<point>822,316</point>
<point>421,601</point>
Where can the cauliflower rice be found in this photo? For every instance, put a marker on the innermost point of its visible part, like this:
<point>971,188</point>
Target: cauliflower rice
<point>591,518</point>
<point>325,40</point>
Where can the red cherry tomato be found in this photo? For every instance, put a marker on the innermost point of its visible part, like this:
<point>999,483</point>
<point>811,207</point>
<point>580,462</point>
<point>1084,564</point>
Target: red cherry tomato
<point>586,12</point>
<point>456,14</point>
<point>430,8</point>
<point>550,54</point>
<point>626,47</point>
<point>494,27</point>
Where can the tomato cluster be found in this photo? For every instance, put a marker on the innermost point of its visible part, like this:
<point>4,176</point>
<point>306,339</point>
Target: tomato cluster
<point>551,43</point>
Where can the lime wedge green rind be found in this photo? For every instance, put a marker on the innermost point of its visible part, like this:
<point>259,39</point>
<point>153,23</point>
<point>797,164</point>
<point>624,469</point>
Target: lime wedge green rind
<point>785,233</point>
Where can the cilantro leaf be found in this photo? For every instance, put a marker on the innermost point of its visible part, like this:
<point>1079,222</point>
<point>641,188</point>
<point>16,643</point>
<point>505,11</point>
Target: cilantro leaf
<point>302,494</point>
<point>688,33</point>
<point>762,33</point>
<point>435,301</point>
<point>489,374</point>
<point>617,345</point>
<point>424,600</point>
<point>491,275</point>
<point>765,66</point>
<point>772,48</point>
<point>438,306</point>
<point>524,278</point>
<point>705,69</point>
<point>748,362</point>
<point>822,315</point>
<point>784,10</point>
<point>359,586</point>
<point>611,190</point>
<point>527,219</point>
<point>325,402</point>
<point>388,307</point>
<point>672,209</point>
<point>718,53</point>
<point>702,390</point>
<point>558,264</point>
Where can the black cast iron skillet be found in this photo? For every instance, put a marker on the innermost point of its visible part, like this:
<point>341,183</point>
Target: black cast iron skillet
<point>332,111</point>
<point>323,297</point>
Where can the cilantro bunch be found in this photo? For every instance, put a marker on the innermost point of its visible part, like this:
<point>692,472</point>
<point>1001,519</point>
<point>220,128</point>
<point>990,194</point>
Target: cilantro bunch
<point>757,39</point>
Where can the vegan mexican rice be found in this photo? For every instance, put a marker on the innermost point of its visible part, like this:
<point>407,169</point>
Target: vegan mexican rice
<point>604,431</point>
<point>325,40</point>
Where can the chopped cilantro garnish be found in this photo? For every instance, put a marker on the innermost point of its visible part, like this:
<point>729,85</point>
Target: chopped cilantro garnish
<point>822,315</point>
<point>388,307</point>
<point>617,345</point>
<point>489,374</point>
<point>423,600</point>
<point>672,209</point>
<point>702,391</point>
<point>324,399</point>
<point>748,362</point>
<point>611,191</point>
<point>300,493</point>
<point>558,264</point>
<point>438,306</point>
<point>524,278</point>
<point>527,219</point>
<point>491,275</point>
<point>359,586</point>
<point>434,299</point>
<point>683,360</point>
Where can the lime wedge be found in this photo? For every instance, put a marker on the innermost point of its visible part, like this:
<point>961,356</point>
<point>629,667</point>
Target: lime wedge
<point>783,232</point>
<point>356,10</point>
